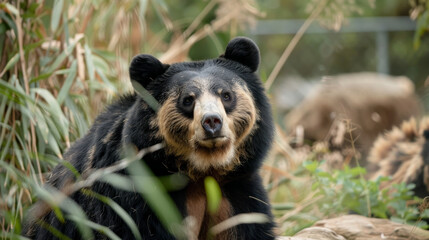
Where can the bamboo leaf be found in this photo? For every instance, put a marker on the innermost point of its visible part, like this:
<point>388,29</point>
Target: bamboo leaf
<point>100,228</point>
<point>106,81</point>
<point>142,9</point>
<point>119,210</point>
<point>118,181</point>
<point>213,193</point>
<point>67,83</point>
<point>9,21</point>
<point>58,200</point>
<point>80,123</point>
<point>52,67</point>
<point>157,198</point>
<point>54,107</point>
<point>56,121</point>
<point>14,93</point>
<point>39,120</point>
<point>56,14</point>
<point>145,94</point>
<point>5,148</point>
<point>40,77</point>
<point>89,63</point>
<point>10,63</point>
<point>54,145</point>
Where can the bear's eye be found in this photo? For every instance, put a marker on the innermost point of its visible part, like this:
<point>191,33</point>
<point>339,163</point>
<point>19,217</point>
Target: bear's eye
<point>226,96</point>
<point>188,101</point>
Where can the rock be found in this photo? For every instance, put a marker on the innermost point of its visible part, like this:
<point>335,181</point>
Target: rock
<point>355,227</point>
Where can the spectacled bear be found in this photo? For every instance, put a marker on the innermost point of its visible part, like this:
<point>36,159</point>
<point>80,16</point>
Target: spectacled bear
<point>214,119</point>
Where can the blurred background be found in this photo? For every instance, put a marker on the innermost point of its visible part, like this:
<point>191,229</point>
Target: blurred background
<point>62,62</point>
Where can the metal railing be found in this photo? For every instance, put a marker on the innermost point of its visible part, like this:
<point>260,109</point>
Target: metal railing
<point>381,26</point>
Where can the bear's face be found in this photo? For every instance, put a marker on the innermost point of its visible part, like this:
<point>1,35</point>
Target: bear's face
<point>207,111</point>
<point>208,114</point>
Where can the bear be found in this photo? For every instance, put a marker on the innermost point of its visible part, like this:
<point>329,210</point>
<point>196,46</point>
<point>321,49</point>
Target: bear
<point>403,154</point>
<point>212,118</point>
<point>349,111</point>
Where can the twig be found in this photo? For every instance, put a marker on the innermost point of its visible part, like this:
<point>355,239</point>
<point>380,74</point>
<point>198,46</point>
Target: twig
<point>291,46</point>
<point>41,208</point>
<point>99,173</point>
<point>199,18</point>
<point>206,30</point>
<point>310,198</point>
<point>239,219</point>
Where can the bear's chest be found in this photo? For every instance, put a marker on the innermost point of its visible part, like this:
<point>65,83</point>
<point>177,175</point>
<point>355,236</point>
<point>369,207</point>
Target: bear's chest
<point>201,220</point>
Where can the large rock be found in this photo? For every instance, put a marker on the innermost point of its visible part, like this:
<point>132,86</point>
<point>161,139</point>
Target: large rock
<point>355,227</point>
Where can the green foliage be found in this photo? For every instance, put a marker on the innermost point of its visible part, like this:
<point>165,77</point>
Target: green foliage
<point>42,105</point>
<point>346,190</point>
<point>213,194</point>
<point>61,63</point>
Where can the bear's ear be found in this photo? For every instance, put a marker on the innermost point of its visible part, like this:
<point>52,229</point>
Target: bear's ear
<point>244,51</point>
<point>144,68</point>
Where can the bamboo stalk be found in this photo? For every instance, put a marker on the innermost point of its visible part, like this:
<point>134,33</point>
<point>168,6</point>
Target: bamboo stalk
<point>27,86</point>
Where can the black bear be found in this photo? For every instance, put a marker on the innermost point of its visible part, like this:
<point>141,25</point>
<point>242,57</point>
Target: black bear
<point>213,119</point>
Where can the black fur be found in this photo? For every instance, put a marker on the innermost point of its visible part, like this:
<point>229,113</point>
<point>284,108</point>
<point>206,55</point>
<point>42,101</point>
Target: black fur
<point>242,186</point>
<point>244,51</point>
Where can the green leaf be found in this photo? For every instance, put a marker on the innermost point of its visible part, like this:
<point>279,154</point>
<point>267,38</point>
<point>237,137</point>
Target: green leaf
<point>145,94</point>
<point>157,198</point>
<point>55,199</point>
<point>324,175</point>
<point>40,77</point>
<point>56,14</point>
<point>67,83</point>
<point>54,108</point>
<point>106,81</point>
<point>61,57</point>
<point>119,210</point>
<point>89,63</point>
<point>11,63</point>
<point>100,228</point>
<point>39,120</point>
<point>53,230</point>
<point>9,21</point>
<point>13,236</point>
<point>311,166</point>
<point>53,144</point>
<point>213,193</point>
<point>14,93</point>
<point>356,171</point>
<point>283,206</point>
<point>29,47</point>
<point>118,181</point>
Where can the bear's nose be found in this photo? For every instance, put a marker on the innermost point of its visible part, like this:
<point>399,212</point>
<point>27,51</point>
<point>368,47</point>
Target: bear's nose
<point>212,124</point>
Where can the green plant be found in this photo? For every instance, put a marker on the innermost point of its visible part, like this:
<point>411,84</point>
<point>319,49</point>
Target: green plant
<point>346,190</point>
<point>61,62</point>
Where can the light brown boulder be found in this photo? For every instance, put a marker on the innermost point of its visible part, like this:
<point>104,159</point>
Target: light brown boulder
<point>355,227</point>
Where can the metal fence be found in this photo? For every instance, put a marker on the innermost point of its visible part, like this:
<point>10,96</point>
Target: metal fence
<point>381,26</point>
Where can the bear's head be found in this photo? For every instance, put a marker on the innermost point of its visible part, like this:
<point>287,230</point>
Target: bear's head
<point>213,114</point>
